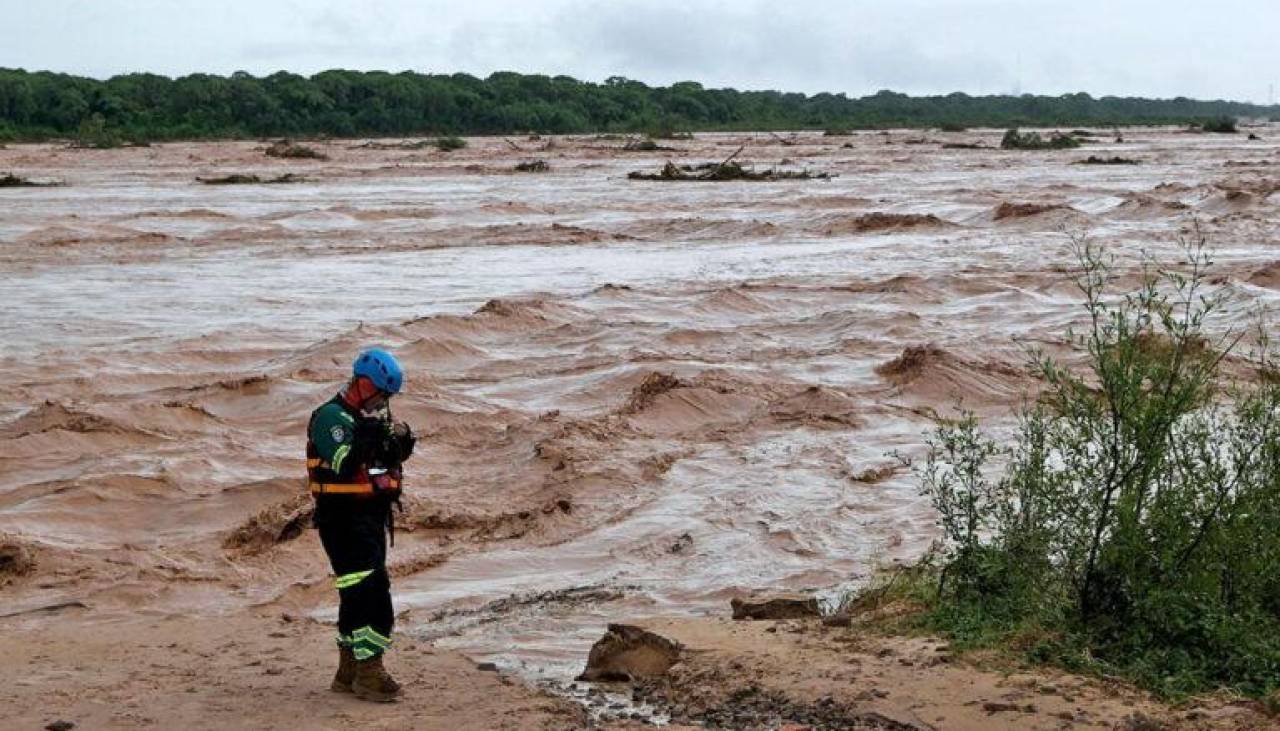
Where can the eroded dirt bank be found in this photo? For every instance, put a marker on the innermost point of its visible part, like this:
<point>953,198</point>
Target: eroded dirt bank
<point>637,398</point>
<point>771,674</point>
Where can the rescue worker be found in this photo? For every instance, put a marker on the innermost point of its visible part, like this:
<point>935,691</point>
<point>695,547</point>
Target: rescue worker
<point>354,456</point>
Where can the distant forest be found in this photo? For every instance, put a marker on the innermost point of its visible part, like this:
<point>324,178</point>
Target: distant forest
<point>137,107</point>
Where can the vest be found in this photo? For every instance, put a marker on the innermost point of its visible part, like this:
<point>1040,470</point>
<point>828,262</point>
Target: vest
<point>322,480</point>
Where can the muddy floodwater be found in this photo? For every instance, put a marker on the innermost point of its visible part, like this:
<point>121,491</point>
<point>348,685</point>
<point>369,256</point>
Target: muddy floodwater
<point>635,398</point>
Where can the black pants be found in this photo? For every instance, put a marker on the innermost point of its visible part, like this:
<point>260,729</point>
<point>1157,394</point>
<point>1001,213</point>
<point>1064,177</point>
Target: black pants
<point>354,535</point>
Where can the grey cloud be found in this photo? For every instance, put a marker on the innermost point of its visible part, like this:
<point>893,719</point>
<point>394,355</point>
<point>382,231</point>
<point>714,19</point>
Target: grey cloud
<point>1131,47</point>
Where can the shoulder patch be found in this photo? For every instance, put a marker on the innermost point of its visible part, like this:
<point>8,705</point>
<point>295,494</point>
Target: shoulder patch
<point>338,433</point>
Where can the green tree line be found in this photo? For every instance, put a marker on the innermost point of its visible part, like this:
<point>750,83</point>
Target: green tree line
<point>142,106</point>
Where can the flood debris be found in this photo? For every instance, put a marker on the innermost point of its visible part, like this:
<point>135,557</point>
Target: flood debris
<point>242,179</point>
<point>402,145</point>
<point>532,166</point>
<point>16,558</point>
<point>787,141</point>
<point>723,171</point>
<point>1116,160</point>
<point>1023,210</point>
<point>654,385</point>
<point>880,221</point>
<point>754,707</point>
<point>291,150</point>
<point>9,180</point>
<point>1014,140</point>
<point>627,653</point>
<point>645,144</point>
<point>275,524</point>
<point>964,146</point>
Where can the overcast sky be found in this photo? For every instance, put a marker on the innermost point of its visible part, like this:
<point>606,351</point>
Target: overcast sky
<point>1162,48</point>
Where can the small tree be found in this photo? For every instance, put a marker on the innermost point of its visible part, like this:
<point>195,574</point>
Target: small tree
<point>94,133</point>
<point>1138,509</point>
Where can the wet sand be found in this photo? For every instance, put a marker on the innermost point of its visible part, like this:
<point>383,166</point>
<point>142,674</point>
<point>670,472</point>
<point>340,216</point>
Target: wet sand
<point>637,398</point>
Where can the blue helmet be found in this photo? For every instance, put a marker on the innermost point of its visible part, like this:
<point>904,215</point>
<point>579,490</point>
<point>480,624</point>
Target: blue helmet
<point>380,367</point>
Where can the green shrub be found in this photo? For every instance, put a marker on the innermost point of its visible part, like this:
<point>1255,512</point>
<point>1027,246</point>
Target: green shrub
<point>1013,140</point>
<point>668,129</point>
<point>532,166</point>
<point>449,144</point>
<point>643,144</point>
<point>1134,527</point>
<point>1221,125</point>
<point>93,133</point>
<point>292,150</point>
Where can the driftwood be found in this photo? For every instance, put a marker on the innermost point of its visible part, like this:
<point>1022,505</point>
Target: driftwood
<point>404,145</point>
<point>1117,160</point>
<point>241,179</point>
<point>788,141</point>
<point>725,170</point>
<point>9,180</point>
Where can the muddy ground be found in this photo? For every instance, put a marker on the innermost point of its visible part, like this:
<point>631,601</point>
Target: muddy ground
<point>637,398</point>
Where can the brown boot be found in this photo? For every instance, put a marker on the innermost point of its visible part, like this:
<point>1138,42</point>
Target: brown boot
<point>373,682</point>
<point>346,671</point>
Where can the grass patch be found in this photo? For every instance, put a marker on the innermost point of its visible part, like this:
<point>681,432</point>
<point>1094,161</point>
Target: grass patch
<point>1131,527</point>
<point>1014,140</point>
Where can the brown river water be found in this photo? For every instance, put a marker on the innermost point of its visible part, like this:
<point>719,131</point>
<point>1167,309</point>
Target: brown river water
<point>634,397</point>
